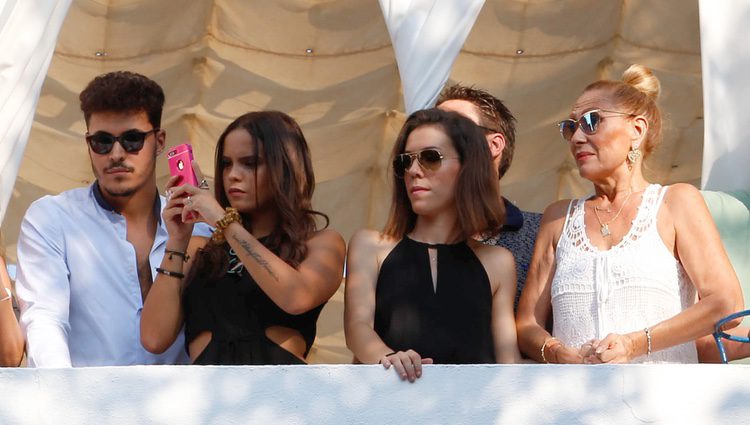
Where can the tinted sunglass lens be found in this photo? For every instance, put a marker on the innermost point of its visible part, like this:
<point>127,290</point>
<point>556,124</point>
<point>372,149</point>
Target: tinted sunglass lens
<point>567,129</point>
<point>133,141</point>
<point>101,143</point>
<point>430,158</point>
<point>589,122</point>
<point>400,164</point>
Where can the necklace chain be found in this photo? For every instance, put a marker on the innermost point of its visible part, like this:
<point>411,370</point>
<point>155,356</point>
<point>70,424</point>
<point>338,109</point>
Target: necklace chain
<point>604,227</point>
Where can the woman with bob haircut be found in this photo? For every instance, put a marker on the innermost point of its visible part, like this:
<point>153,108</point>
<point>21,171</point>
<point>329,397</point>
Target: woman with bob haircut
<point>619,271</point>
<point>423,290</point>
<point>254,291</point>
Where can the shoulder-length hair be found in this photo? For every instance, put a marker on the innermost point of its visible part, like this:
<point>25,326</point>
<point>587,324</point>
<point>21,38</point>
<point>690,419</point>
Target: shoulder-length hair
<point>290,180</point>
<point>477,193</point>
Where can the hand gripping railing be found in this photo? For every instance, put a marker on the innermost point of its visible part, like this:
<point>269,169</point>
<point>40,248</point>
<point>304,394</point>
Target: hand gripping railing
<point>719,333</point>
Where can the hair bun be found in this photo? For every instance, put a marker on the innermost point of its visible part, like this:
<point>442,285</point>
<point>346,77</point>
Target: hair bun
<point>643,80</point>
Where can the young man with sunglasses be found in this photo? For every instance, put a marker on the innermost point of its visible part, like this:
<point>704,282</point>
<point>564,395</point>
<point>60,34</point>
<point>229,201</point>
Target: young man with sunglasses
<point>493,117</point>
<point>86,256</point>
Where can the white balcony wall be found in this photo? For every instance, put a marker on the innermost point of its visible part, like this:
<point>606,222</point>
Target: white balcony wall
<point>344,394</point>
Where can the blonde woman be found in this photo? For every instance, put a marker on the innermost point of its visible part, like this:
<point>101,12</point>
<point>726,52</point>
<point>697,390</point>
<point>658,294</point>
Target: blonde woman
<point>619,271</point>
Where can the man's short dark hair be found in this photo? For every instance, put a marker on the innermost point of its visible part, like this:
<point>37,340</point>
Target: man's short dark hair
<point>494,115</point>
<point>123,91</point>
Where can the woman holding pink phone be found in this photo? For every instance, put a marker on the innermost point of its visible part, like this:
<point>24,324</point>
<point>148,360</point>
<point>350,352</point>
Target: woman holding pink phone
<point>253,292</point>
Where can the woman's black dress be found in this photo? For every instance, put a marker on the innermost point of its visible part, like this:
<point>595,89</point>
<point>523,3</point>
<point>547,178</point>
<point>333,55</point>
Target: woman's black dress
<point>450,324</point>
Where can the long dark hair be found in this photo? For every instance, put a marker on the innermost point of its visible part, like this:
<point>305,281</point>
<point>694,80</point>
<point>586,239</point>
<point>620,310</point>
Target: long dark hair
<point>477,193</point>
<point>290,180</point>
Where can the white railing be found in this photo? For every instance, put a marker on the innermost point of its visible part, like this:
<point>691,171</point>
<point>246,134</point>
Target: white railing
<point>345,394</point>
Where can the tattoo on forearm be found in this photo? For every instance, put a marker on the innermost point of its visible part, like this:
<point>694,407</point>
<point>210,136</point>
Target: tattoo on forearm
<point>255,256</point>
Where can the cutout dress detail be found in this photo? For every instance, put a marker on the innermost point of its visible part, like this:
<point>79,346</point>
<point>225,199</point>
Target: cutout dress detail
<point>237,312</point>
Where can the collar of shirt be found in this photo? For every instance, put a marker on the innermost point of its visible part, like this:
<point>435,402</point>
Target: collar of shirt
<point>513,217</point>
<point>97,191</point>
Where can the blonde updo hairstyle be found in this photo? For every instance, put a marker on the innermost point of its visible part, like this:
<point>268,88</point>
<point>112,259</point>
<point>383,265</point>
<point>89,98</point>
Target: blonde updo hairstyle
<point>637,94</point>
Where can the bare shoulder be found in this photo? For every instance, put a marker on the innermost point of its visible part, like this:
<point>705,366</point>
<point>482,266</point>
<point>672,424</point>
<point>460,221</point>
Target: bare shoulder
<point>367,250</point>
<point>498,262</point>
<point>556,212</point>
<point>683,206</point>
<point>553,220</point>
<point>682,196</point>
<point>326,238</point>
<point>371,240</point>
<point>491,255</point>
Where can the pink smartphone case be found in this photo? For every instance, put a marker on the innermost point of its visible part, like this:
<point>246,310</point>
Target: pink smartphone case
<point>180,164</point>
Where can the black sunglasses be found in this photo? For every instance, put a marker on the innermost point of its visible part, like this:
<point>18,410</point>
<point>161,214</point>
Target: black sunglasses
<point>131,141</point>
<point>588,122</point>
<point>428,159</point>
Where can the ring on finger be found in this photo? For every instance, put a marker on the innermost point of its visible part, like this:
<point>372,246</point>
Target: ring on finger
<point>203,184</point>
<point>189,201</point>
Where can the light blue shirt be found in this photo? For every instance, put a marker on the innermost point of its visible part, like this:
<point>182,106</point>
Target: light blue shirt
<point>78,285</point>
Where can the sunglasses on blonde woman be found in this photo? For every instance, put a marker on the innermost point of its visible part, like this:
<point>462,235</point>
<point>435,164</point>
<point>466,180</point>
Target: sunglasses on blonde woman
<point>588,122</point>
<point>428,159</point>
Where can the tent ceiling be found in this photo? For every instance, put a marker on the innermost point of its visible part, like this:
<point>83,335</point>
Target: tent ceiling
<point>219,59</point>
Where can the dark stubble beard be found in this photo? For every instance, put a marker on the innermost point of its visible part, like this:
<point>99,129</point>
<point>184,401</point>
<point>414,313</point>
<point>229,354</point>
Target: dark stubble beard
<point>123,193</point>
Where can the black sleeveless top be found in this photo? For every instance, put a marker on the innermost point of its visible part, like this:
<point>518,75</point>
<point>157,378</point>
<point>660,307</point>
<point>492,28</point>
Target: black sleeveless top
<point>237,312</point>
<point>451,324</point>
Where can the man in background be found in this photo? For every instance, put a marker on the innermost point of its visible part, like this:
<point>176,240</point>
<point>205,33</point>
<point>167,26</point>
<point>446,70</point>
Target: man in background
<point>495,119</point>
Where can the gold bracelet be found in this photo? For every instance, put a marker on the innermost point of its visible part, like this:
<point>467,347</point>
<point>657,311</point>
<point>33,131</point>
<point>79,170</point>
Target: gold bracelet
<point>648,341</point>
<point>231,216</point>
<point>546,341</point>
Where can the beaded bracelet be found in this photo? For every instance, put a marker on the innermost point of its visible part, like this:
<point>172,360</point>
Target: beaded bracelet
<point>170,273</point>
<point>546,341</point>
<point>231,216</point>
<point>648,341</point>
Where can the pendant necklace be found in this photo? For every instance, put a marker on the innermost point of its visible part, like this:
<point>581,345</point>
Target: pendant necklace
<point>433,257</point>
<point>604,227</point>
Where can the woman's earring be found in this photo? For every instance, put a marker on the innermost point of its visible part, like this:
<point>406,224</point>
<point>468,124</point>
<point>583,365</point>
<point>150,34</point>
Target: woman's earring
<point>633,156</point>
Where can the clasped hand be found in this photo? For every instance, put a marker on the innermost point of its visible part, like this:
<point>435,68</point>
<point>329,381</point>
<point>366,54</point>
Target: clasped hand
<point>614,348</point>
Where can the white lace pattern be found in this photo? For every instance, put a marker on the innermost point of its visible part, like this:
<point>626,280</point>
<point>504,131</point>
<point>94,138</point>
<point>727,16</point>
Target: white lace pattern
<point>635,284</point>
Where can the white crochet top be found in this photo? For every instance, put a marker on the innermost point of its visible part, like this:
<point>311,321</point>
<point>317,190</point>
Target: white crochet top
<point>635,284</point>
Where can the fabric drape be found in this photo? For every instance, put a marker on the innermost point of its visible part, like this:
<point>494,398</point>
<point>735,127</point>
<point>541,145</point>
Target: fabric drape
<point>427,36</point>
<point>726,94</point>
<point>28,33</point>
